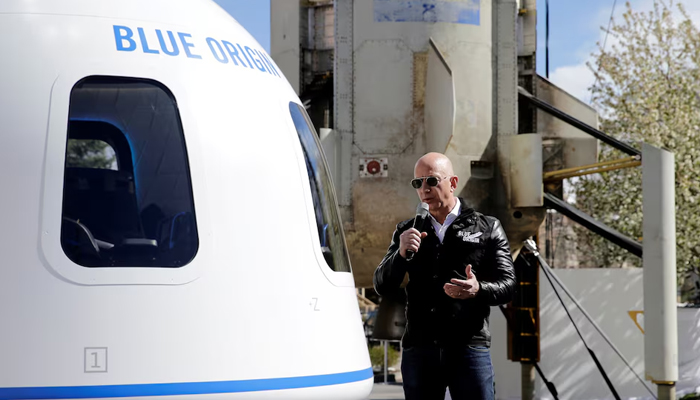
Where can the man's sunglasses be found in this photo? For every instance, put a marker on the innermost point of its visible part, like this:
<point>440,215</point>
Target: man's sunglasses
<point>432,181</point>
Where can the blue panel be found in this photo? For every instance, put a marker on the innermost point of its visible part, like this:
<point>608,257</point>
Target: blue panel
<point>178,389</point>
<point>465,12</point>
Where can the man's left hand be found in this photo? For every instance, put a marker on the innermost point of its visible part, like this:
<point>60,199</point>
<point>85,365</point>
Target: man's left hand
<point>463,289</point>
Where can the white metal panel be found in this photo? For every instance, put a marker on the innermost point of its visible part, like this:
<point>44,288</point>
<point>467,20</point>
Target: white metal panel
<point>528,44</point>
<point>467,49</point>
<point>383,102</point>
<point>439,101</point>
<point>506,69</point>
<point>324,27</point>
<point>284,39</point>
<point>257,302</point>
<point>608,295</point>
<point>506,89</point>
<point>578,148</point>
<point>525,154</point>
<point>343,81</point>
<point>197,12</point>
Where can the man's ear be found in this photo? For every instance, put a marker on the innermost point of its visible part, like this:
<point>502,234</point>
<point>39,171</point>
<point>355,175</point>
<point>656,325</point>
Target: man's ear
<point>453,182</point>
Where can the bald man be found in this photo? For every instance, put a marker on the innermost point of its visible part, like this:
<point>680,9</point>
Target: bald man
<point>461,266</point>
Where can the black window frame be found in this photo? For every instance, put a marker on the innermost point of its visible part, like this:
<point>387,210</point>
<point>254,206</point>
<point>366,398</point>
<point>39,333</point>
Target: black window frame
<point>328,222</point>
<point>139,251</point>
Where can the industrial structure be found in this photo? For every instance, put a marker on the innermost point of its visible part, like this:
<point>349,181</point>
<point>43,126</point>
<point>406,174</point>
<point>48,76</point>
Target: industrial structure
<point>386,81</point>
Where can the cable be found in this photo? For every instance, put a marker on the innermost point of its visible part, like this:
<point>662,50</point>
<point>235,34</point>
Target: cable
<point>607,31</point>
<point>530,245</point>
<point>605,337</point>
<point>550,385</point>
<point>605,41</point>
<point>595,359</point>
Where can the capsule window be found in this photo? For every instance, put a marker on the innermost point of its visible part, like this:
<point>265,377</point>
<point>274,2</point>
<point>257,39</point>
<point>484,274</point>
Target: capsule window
<point>330,231</point>
<point>127,193</point>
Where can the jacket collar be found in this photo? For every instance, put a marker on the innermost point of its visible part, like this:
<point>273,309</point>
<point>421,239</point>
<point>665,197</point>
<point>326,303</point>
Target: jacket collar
<point>465,210</point>
<point>466,214</point>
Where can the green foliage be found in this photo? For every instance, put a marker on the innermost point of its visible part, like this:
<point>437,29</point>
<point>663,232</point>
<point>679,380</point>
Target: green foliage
<point>691,396</point>
<point>647,90</point>
<point>376,356</point>
<point>89,154</point>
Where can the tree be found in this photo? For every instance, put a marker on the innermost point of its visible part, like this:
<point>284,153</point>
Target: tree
<point>647,89</point>
<point>89,154</point>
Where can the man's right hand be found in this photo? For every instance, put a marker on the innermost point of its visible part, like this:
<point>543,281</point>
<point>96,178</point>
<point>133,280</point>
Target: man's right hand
<point>410,240</point>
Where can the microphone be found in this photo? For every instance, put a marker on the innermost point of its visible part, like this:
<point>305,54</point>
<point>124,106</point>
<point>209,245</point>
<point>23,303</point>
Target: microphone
<point>418,223</point>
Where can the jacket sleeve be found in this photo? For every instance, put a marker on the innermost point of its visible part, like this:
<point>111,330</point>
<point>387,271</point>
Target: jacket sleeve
<point>391,271</point>
<point>500,289</point>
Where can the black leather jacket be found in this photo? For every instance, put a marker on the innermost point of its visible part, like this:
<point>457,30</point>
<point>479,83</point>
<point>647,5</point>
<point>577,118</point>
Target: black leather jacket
<point>433,318</point>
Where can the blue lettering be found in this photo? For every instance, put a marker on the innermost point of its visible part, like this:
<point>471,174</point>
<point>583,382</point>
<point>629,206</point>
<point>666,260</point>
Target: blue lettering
<point>233,52</point>
<point>173,42</point>
<point>244,56</point>
<point>144,43</point>
<point>270,68</point>
<point>258,64</point>
<point>120,37</point>
<point>186,46</point>
<point>223,58</point>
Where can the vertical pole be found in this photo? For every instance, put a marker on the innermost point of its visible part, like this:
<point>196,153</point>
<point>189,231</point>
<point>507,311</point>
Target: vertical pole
<point>400,359</point>
<point>386,361</point>
<point>527,379</point>
<point>667,392</point>
<point>548,236</point>
<point>546,46</point>
<point>659,261</point>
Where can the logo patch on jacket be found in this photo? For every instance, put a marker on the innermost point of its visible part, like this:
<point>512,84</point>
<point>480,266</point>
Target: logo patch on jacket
<point>470,237</point>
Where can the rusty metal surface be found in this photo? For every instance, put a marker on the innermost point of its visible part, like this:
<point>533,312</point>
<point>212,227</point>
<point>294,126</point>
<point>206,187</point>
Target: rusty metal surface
<point>379,204</point>
<point>420,72</point>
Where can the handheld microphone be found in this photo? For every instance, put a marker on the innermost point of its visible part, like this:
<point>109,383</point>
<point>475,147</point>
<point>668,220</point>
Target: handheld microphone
<point>418,223</point>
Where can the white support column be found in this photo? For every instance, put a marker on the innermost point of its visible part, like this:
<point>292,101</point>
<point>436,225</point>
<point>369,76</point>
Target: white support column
<point>659,260</point>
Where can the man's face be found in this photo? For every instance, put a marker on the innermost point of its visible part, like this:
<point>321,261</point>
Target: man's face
<point>436,196</point>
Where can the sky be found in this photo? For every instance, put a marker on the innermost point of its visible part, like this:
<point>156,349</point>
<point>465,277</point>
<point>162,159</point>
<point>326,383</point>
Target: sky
<point>574,31</point>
